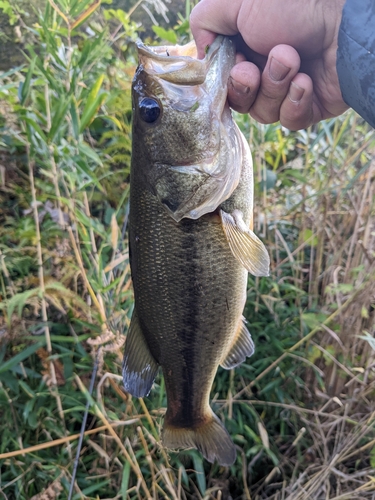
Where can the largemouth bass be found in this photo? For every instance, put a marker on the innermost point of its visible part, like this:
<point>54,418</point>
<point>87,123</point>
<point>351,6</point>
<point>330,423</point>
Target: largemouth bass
<point>191,239</point>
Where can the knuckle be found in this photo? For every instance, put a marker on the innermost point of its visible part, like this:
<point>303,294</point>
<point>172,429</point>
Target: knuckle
<point>295,122</point>
<point>273,92</point>
<point>194,19</point>
<point>265,119</point>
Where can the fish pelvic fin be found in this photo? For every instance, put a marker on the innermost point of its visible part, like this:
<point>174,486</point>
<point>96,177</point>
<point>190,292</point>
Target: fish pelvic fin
<point>246,247</point>
<point>210,438</point>
<point>242,347</point>
<point>139,367</point>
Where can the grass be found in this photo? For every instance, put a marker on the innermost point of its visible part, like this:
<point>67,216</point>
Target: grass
<point>300,411</point>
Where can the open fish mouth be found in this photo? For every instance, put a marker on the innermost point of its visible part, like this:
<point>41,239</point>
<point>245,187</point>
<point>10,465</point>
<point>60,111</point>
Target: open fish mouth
<point>188,83</point>
<point>177,64</point>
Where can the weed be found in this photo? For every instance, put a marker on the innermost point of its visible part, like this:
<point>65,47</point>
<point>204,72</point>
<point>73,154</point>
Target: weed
<point>300,410</point>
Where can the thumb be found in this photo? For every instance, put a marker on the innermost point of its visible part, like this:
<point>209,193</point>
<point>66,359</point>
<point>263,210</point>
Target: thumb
<point>213,17</point>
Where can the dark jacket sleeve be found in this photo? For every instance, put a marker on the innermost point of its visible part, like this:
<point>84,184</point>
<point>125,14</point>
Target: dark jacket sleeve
<point>356,57</point>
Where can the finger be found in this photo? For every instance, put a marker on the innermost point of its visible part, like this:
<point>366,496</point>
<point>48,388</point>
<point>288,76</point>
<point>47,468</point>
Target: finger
<point>207,19</point>
<point>297,110</point>
<point>282,66</point>
<point>243,86</point>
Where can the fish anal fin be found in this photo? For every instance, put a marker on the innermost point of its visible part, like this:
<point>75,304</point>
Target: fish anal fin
<point>210,438</point>
<point>242,347</point>
<point>139,367</point>
<point>246,247</point>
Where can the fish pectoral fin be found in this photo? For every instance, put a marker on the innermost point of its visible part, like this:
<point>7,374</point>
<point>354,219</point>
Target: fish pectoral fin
<point>242,347</point>
<point>139,367</point>
<point>246,247</point>
<point>210,438</point>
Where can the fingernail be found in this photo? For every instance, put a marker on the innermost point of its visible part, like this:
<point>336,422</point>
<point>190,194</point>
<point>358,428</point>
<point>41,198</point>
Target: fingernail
<point>239,87</point>
<point>295,92</point>
<point>278,70</point>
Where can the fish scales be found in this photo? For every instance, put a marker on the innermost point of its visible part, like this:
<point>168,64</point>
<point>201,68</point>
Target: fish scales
<point>189,284</point>
<point>183,300</point>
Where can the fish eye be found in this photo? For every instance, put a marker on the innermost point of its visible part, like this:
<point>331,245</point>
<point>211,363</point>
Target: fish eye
<point>149,110</point>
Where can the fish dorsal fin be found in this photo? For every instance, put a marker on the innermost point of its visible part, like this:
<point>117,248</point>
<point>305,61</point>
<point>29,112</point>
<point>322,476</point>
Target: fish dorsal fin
<point>246,247</point>
<point>139,367</point>
<point>242,347</point>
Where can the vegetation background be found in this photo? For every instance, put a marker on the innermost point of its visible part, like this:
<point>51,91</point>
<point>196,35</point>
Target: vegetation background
<point>301,410</point>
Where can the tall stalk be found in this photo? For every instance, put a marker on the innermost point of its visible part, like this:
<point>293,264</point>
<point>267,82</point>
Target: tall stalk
<point>38,245</point>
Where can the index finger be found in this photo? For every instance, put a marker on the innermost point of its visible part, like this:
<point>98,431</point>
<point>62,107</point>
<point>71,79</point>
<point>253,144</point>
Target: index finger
<point>213,17</point>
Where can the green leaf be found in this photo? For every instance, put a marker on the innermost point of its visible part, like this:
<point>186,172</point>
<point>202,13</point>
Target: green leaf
<point>11,363</point>
<point>19,300</point>
<point>296,174</point>
<point>93,102</point>
<point>70,340</point>
<point>199,472</point>
<point>58,117</point>
<point>77,7</point>
<point>75,118</point>
<point>7,9</point>
<point>91,489</point>
<point>369,338</point>
<point>313,320</point>
<point>29,406</point>
<point>183,28</point>
<point>125,480</point>
<point>306,235</point>
<point>86,150</point>
<point>10,72</point>
<point>252,434</point>
<point>36,128</point>
<point>86,14</point>
<point>51,41</point>
<point>272,456</point>
<point>313,354</point>
<point>81,164</point>
<point>25,87</point>
<point>168,35</point>
<point>27,389</point>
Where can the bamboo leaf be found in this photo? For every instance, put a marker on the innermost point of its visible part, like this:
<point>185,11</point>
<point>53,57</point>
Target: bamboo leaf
<point>24,89</point>
<point>32,123</point>
<point>89,113</point>
<point>199,472</point>
<point>60,12</point>
<point>58,117</point>
<point>75,118</point>
<point>86,150</point>
<point>77,7</point>
<point>51,45</point>
<point>87,13</point>
<point>81,164</point>
<point>94,100</point>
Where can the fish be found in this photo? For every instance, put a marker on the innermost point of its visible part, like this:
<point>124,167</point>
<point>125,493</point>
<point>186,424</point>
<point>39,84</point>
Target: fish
<point>191,239</point>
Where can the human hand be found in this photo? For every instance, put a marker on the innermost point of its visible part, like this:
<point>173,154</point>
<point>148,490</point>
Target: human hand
<point>286,65</point>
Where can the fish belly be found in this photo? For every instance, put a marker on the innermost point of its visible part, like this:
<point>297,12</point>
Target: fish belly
<point>189,296</point>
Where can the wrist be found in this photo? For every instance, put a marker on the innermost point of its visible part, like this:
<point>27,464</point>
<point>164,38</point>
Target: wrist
<point>332,15</point>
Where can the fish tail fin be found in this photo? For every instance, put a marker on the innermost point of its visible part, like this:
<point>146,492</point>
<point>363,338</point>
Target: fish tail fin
<point>210,438</point>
